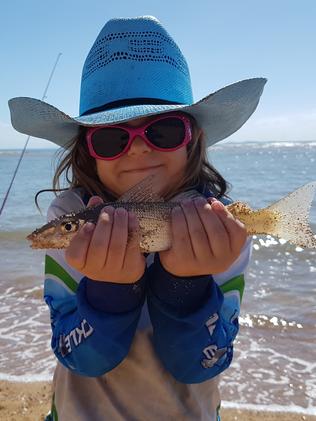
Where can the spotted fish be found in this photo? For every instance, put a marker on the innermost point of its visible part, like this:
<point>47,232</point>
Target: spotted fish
<point>286,219</point>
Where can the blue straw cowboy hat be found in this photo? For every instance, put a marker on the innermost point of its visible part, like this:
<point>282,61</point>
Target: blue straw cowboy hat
<point>135,69</point>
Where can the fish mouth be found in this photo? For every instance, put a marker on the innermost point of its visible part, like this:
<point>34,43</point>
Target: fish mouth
<point>31,237</point>
<point>38,241</point>
<point>48,238</point>
<point>48,242</point>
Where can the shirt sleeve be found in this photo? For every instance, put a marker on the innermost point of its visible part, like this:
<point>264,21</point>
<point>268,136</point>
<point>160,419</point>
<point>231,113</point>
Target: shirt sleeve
<point>89,336</point>
<point>195,319</point>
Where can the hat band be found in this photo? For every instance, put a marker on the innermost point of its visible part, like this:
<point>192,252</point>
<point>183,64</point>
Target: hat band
<point>129,102</point>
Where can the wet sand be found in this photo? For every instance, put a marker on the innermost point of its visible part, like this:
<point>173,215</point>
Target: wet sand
<point>31,402</point>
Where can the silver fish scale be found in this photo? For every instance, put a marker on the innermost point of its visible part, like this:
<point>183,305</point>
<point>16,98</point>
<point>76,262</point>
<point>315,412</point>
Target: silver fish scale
<point>147,210</point>
<point>154,221</point>
<point>157,210</point>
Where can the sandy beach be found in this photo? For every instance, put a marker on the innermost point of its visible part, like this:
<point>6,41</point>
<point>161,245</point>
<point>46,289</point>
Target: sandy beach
<point>31,402</point>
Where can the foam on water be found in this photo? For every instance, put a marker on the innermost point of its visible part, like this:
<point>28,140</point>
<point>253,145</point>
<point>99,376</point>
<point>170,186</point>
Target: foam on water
<point>25,335</point>
<point>266,371</point>
<point>270,408</point>
<point>263,145</point>
<point>45,376</point>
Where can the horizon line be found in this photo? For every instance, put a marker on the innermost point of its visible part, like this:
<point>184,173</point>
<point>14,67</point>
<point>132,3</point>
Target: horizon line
<point>216,144</point>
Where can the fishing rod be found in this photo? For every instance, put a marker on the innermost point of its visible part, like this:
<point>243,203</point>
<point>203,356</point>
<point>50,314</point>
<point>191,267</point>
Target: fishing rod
<point>28,138</point>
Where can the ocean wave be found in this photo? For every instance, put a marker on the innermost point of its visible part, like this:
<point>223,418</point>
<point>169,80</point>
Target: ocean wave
<point>263,242</point>
<point>268,322</point>
<point>27,378</point>
<point>266,371</point>
<point>4,152</point>
<point>14,236</point>
<point>270,408</point>
<point>29,152</point>
<point>264,145</point>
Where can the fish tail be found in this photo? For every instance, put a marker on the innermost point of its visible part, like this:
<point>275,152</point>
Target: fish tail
<point>293,216</point>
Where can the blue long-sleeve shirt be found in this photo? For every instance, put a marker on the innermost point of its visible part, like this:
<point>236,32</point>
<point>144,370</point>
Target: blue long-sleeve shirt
<point>93,323</point>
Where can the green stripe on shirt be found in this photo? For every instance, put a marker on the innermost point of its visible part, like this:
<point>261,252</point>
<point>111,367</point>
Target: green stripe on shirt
<point>53,268</point>
<point>235,284</point>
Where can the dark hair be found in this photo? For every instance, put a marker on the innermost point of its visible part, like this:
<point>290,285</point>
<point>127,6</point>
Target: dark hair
<point>79,169</point>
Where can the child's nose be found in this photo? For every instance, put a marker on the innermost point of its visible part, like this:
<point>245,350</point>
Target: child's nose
<point>138,145</point>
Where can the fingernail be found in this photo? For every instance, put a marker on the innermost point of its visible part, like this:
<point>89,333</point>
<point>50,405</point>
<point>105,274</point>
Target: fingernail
<point>96,198</point>
<point>133,216</point>
<point>108,209</point>
<point>200,200</point>
<point>133,220</point>
<point>121,211</point>
<point>88,227</point>
<point>217,205</point>
<point>94,201</point>
<point>186,202</point>
<point>105,215</point>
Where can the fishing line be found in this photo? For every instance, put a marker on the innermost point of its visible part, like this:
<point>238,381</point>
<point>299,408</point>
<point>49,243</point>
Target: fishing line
<point>28,138</point>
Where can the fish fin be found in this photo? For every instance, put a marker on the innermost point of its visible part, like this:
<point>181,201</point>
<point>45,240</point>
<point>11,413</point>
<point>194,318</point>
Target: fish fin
<point>142,192</point>
<point>189,194</point>
<point>293,211</point>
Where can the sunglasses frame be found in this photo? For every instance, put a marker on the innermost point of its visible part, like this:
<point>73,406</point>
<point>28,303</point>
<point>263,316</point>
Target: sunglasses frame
<point>140,131</point>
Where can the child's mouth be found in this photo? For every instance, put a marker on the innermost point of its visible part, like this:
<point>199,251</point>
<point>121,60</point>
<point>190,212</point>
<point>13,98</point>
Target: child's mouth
<point>143,169</point>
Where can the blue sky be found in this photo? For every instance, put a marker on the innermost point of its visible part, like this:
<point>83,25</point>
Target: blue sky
<point>223,42</point>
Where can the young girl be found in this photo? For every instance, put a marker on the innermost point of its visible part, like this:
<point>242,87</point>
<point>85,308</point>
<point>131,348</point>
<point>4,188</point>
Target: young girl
<point>116,360</point>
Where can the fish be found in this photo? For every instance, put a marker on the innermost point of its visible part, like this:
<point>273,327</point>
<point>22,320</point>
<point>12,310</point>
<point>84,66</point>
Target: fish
<point>286,219</point>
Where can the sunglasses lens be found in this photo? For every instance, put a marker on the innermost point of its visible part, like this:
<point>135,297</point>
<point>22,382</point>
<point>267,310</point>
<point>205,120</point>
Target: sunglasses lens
<point>166,133</point>
<point>109,142</point>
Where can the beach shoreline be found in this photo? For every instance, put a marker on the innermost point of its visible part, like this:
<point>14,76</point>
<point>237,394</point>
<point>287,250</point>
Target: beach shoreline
<point>31,402</point>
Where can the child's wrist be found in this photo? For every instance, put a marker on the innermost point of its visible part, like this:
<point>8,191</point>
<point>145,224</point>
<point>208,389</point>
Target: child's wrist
<point>121,278</point>
<point>112,297</point>
<point>185,294</point>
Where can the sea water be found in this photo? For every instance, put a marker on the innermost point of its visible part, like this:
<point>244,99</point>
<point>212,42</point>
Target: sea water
<point>275,357</point>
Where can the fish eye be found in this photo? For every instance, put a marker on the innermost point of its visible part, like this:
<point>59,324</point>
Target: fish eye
<point>69,226</point>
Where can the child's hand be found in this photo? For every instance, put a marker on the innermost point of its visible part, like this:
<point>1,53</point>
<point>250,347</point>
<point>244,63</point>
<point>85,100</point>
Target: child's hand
<point>206,239</point>
<point>108,251</point>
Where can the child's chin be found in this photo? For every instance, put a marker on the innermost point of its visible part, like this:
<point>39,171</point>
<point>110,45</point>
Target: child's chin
<point>159,185</point>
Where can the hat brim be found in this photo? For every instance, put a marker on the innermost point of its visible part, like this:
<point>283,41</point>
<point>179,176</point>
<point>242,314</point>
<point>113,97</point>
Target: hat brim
<point>220,114</point>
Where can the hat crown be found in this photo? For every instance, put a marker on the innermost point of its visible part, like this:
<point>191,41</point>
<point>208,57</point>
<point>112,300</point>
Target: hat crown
<point>134,59</point>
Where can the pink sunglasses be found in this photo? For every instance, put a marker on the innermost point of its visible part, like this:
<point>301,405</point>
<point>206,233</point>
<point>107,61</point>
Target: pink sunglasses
<point>166,132</point>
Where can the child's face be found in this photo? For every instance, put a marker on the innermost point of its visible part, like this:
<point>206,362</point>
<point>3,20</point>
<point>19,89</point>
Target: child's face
<point>119,175</point>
